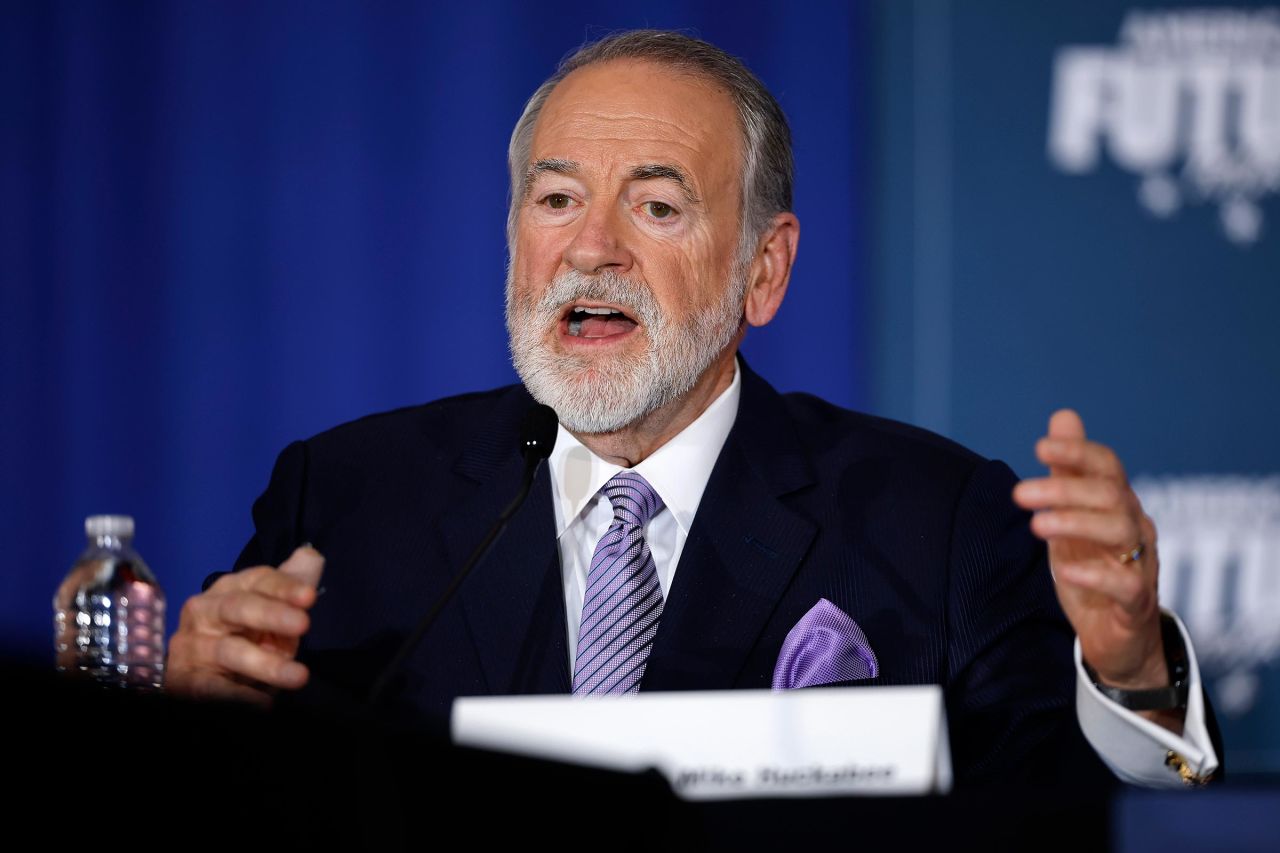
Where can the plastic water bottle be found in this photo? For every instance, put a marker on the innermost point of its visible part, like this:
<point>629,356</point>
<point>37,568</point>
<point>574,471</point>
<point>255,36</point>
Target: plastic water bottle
<point>108,614</point>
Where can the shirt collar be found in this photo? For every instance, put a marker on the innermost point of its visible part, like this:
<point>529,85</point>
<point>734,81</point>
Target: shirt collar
<point>678,470</point>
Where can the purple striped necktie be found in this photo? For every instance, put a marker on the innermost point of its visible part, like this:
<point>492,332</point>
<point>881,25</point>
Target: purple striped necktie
<point>623,602</point>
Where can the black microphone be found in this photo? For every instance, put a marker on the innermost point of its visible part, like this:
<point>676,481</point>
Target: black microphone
<point>537,437</point>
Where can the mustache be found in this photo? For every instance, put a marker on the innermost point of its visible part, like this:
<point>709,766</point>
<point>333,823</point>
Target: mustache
<point>634,297</point>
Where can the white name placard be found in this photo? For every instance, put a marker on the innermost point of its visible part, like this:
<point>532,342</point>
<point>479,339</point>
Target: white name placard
<point>728,744</point>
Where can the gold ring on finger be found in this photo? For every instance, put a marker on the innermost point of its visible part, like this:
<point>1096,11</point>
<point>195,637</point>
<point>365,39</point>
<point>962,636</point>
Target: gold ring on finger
<point>1132,556</point>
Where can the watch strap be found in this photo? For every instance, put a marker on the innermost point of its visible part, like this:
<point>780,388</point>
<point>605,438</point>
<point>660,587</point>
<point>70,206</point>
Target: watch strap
<point>1167,698</point>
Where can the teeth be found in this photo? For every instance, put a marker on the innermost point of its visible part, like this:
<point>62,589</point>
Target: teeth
<point>598,310</point>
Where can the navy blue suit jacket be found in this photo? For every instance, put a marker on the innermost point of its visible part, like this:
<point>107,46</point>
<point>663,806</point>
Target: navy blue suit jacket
<point>913,536</point>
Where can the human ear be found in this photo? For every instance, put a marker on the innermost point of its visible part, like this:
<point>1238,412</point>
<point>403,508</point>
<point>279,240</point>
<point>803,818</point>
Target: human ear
<point>770,269</point>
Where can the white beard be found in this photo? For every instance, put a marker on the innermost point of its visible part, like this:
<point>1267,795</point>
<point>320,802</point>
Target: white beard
<point>598,394</point>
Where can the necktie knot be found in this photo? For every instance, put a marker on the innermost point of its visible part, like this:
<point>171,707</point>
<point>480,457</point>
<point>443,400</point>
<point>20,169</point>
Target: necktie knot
<point>634,500</point>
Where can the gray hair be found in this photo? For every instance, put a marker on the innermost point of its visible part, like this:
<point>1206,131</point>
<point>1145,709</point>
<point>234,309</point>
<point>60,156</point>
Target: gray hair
<point>767,170</point>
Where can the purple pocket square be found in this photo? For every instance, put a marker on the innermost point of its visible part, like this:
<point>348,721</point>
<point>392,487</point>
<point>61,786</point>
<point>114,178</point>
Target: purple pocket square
<point>823,647</point>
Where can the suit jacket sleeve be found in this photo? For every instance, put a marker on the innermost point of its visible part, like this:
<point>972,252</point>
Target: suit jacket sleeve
<point>1010,682</point>
<point>277,514</point>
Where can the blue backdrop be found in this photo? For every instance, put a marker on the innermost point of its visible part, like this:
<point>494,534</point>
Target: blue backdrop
<point>225,226</point>
<point>229,226</point>
<point>1076,205</point>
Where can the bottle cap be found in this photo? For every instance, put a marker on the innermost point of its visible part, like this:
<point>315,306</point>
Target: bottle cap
<point>109,525</point>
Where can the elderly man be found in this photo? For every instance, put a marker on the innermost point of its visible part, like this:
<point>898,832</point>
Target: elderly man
<point>690,516</point>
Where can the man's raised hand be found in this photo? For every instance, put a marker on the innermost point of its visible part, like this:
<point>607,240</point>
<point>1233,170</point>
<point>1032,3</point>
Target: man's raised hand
<point>1102,550</point>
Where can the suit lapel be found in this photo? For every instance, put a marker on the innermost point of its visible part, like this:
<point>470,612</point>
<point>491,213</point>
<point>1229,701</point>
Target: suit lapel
<point>514,599</point>
<point>742,551</point>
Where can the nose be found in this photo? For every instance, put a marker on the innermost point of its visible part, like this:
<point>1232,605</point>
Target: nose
<point>599,242</point>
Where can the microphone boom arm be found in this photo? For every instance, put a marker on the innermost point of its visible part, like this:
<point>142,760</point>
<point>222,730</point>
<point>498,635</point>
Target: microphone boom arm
<point>538,436</point>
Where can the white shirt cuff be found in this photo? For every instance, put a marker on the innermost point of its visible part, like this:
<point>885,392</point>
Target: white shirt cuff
<point>1134,747</point>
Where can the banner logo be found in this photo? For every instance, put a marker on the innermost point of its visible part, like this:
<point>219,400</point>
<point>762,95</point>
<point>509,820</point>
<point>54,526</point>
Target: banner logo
<point>1187,100</point>
<point>1219,547</point>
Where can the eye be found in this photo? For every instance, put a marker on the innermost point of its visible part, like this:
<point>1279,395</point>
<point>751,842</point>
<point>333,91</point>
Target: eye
<point>557,201</point>
<point>659,209</point>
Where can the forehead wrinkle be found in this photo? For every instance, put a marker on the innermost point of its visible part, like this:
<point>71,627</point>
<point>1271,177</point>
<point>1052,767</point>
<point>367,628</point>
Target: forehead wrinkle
<point>603,126</point>
<point>648,93</point>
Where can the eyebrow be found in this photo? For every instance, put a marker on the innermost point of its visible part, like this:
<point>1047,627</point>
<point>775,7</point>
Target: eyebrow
<point>550,164</point>
<point>665,171</point>
<point>645,172</point>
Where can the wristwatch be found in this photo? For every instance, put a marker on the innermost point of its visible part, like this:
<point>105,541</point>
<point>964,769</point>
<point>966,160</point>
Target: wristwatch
<point>1160,698</point>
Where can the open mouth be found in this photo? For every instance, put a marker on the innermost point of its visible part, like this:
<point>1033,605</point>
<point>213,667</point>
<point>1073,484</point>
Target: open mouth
<point>597,321</point>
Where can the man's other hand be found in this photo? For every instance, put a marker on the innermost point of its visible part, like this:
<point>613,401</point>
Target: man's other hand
<point>1094,525</point>
<point>237,640</point>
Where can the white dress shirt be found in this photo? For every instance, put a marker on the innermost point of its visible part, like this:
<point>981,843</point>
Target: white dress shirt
<point>1133,747</point>
<point>678,471</point>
